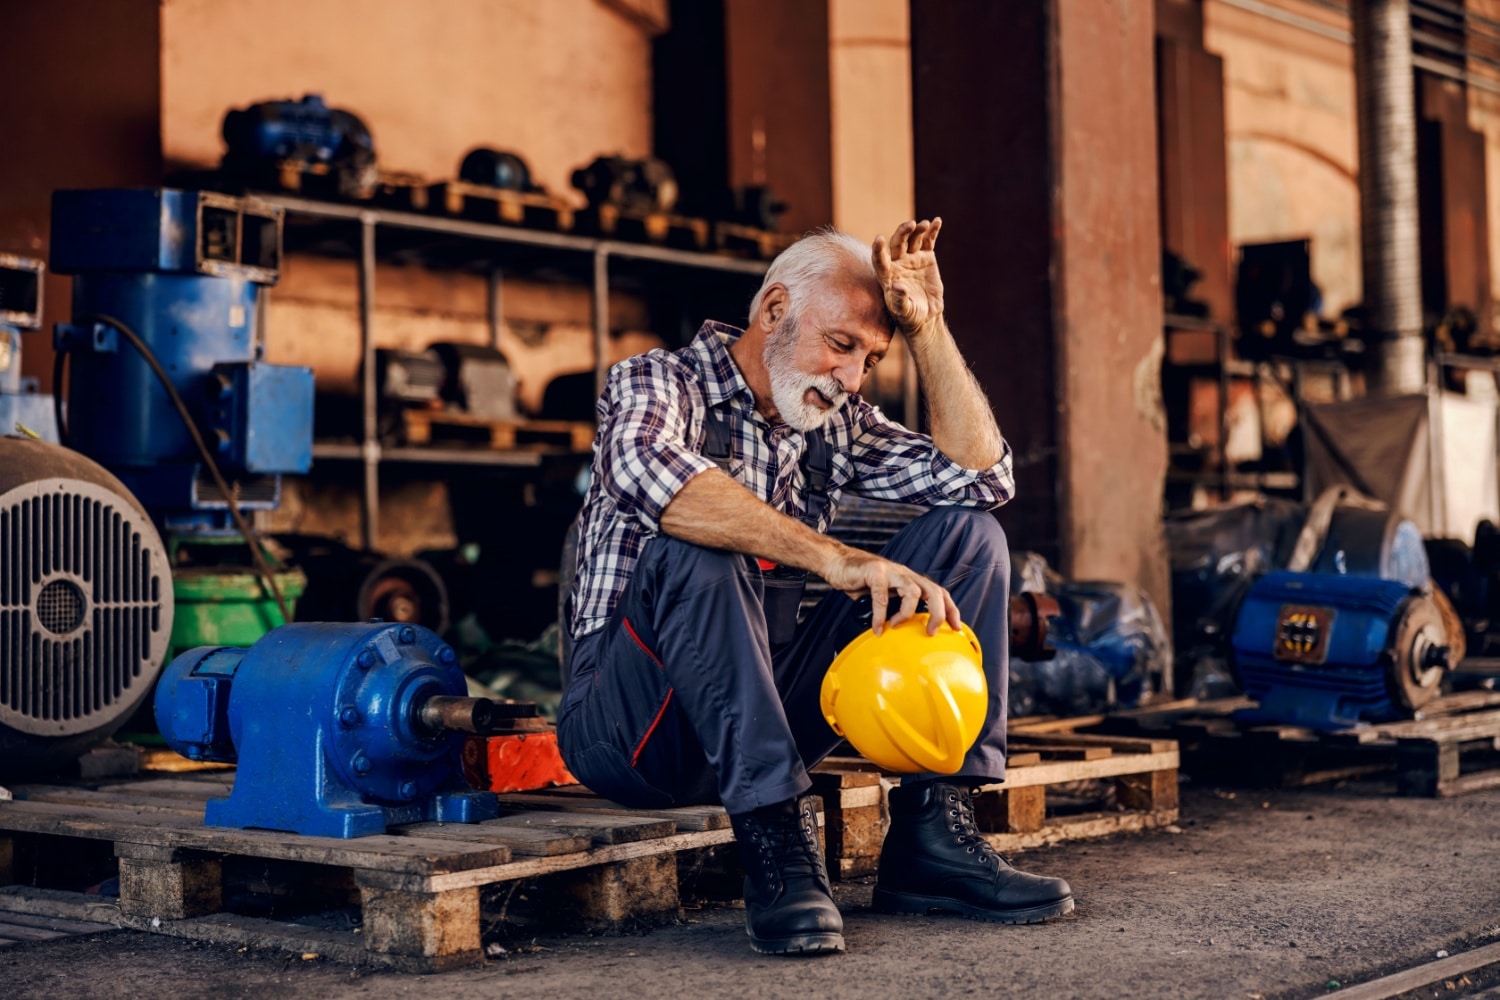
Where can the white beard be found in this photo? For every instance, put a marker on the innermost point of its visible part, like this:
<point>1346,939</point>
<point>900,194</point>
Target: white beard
<point>789,385</point>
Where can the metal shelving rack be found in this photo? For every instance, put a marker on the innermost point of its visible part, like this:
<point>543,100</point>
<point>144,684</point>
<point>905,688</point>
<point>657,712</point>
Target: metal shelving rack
<point>368,451</point>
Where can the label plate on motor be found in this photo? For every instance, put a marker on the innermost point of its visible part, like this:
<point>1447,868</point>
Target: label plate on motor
<point>1302,633</point>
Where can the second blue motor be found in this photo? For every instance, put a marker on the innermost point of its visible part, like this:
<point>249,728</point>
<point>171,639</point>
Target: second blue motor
<point>338,729</point>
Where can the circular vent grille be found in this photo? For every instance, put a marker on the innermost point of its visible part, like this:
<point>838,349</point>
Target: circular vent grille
<point>85,606</point>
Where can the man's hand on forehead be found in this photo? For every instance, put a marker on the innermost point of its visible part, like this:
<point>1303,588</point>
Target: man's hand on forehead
<point>906,267</point>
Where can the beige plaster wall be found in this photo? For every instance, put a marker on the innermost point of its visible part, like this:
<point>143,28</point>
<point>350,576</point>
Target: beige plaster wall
<point>1109,296</point>
<point>557,81</point>
<point>869,69</point>
<point>1293,147</point>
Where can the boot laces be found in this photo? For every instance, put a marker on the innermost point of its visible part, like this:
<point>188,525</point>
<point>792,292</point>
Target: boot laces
<point>959,807</point>
<point>790,849</point>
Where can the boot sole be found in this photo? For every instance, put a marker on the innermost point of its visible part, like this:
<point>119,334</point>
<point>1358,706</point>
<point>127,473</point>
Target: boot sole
<point>886,901</point>
<point>798,944</point>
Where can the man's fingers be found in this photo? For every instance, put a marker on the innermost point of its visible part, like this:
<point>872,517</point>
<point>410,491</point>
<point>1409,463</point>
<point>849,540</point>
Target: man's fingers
<point>879,595</point>
<point>899,237</point>
<point>910,595</point>
<point>881,255</point>
<point>930,241</point>
<point>916,236</point>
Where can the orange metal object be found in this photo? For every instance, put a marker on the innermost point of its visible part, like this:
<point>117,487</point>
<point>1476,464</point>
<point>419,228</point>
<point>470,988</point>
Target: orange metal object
<point>518,762</point>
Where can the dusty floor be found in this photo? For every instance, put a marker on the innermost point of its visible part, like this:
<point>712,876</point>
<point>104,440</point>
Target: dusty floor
<point>1269,894</point>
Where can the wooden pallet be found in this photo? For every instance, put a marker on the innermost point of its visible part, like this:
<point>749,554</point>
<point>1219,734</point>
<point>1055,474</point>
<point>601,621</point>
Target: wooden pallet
<point>483,203</point>
<point>419,426</point>
<point>416,898</point>
<point>1448,749</point>
<point>646,227</point>
<point>1139,775</point>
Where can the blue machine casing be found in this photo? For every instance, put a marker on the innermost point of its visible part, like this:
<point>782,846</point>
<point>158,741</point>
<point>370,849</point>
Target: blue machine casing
<point>1315,649</point>
<point>322,720</point>
<point>183,270</point>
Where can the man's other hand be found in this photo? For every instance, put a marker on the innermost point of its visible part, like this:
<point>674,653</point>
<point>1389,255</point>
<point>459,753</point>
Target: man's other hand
<point>907,269</point>
<point>860,574</point>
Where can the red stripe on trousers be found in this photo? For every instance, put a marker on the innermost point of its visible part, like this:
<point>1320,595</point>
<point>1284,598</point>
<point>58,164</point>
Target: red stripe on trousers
<point>665,701</point>
<point>654,722</point>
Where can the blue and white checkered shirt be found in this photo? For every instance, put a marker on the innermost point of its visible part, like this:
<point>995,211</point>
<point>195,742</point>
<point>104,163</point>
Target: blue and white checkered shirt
<point>651,432</point>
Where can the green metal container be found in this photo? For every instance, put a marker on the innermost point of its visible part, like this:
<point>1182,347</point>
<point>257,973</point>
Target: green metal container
<point>228,606</point>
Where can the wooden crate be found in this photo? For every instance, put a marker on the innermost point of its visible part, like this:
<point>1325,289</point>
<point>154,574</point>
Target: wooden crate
<point>418,426</point>
<point>483,203</point>
<point>1015,815</point>
<point>1448,749</point>
<point>422,894</point>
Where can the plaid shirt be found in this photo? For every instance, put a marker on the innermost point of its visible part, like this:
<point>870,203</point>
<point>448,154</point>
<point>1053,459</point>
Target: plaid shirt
<point>651,432</point>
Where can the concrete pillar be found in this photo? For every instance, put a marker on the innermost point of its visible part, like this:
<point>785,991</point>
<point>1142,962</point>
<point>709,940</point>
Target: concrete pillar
<point>1035,139</point>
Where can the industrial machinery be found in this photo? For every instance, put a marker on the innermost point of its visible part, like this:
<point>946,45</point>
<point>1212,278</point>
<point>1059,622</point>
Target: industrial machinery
<point>349,585</point>
<point>166,387</point>
<point>86,605</point>
<point>338,729</point>
<point>496,168</point>
<point>1329,651</point>
<point>646,185</point>
<point>22,407</point>
<point>306,134</point>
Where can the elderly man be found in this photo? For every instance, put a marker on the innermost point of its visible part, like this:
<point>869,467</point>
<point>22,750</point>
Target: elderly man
<point>717,470</point>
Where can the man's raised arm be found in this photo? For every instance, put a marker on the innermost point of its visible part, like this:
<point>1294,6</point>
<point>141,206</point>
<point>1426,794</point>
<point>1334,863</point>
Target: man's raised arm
<point>962,424</point>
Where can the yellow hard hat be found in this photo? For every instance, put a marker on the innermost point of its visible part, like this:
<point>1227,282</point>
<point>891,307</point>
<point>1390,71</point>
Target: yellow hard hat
<point>909,701</point>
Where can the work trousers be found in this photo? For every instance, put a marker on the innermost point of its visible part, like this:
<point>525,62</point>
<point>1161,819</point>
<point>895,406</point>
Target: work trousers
<point>682,699</point>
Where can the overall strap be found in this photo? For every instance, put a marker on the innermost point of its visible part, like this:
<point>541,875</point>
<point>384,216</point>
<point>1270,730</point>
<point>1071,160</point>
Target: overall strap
<point>817,459</point>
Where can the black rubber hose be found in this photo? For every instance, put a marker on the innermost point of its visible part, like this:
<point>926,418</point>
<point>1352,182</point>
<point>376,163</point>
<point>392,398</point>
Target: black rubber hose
<point>267,573</point>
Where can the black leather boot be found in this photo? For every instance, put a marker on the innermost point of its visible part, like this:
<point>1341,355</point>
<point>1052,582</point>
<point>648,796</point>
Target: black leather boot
<point>788,904</point>
<point>935,858</point>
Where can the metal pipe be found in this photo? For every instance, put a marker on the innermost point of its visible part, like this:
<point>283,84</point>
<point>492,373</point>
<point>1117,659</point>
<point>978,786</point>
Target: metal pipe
<point>444,713</point>
<point>1386,104</point>
<point>601,319</point>
<point>369,441</point>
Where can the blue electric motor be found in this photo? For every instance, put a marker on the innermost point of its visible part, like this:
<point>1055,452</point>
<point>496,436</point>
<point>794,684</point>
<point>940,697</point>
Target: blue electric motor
<point>1328,651</point>
<point>20,311</point>
<point>184,271</point>
<point>338,729</point>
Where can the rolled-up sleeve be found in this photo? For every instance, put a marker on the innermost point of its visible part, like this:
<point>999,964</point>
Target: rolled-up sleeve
<point>644,452</point>
<point>894,463</point>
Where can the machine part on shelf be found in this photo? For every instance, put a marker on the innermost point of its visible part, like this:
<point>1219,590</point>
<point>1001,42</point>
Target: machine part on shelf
<point>409,378</point>
<point>348,585</point>
<point>479,380</point>
<point>1029,613</point>
<point>23,408</point>
<point>1374,543</point>
<point>86,605</point>
<point>1329,651</point>
<point>1273,292</point>
<point>498,168</point>
<point>754,205</point>
<point>646,185</point>
<point>306,132</point>
<point>330,727</point>
<point>907,700</point>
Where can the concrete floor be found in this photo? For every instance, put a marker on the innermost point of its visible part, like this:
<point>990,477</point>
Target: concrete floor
<point>1262,894</point>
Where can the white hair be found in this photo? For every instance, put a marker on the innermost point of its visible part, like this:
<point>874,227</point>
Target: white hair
<point>810,262</point>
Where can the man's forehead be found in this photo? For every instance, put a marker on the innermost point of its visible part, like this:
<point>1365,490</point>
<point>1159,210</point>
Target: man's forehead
<point>856,307</point>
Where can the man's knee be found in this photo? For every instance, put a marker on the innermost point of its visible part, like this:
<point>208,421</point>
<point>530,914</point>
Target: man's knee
<point>978,530</point>
<point>692,565</point>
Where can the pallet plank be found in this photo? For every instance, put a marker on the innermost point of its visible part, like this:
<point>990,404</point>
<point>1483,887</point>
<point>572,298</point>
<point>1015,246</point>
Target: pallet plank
<point>579,800</point>
<point>407,854</point>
